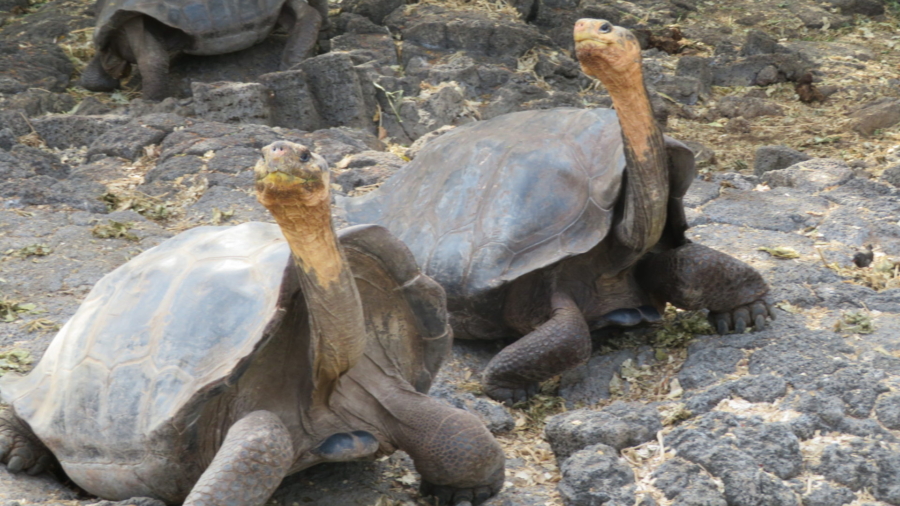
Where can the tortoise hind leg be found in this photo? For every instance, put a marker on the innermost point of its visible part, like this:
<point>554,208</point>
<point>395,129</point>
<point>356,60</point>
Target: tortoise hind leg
<point>458,458</point>
<point>557,345</point>
<point>303,32</point>
<point>255,456</point>
<point>20,449</point>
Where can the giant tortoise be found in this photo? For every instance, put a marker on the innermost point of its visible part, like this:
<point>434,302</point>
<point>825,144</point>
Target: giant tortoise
<point>209,367</point>
<point>549,224</point>
<point>151,32</point>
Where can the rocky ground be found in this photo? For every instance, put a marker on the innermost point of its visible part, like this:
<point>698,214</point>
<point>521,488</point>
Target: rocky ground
<point>804,412</point>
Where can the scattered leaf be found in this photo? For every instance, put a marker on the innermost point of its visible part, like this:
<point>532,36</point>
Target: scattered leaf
<point>16,360</point>
<point>39,250</point>
<point>855,323</point>
<point>220,216</point>
<point>115,230</point>
<point>782,252</point>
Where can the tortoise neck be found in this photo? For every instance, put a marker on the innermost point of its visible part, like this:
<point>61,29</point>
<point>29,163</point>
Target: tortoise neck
<point>647,176</point>
<point>329,290</point>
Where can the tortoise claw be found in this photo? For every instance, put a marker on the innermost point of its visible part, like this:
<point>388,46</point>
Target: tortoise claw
<point>739,318</point>
<point>510,395</point>
<point>15,464</point>
<point>451,496</point>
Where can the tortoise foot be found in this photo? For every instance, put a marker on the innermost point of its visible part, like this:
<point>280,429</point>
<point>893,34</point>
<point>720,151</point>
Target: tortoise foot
<point>20,449</point>
<point>742,317</point>
<point>510,394</point>
<point>447,495</point>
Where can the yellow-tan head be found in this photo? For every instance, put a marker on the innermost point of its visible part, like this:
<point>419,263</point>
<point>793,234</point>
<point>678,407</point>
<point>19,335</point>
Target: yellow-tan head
<point>290,174</point>
<point>608,52</point>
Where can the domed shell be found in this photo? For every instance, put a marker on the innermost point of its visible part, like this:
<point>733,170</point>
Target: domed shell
<point>215,27</point>
<point>155,335</point>
<point>502,198</point>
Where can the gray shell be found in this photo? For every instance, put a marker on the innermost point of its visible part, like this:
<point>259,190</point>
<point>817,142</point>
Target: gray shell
<point>153,337</point>
<point>215,26</point>
<point>486,203</point>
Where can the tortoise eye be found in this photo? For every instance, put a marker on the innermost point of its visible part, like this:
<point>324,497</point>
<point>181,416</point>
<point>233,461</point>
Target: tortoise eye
<point>304,156</point>
<point>605,28</point>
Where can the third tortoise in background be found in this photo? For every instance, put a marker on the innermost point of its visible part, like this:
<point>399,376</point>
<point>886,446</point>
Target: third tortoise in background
<point>549,224</point>
<point>150,32</point>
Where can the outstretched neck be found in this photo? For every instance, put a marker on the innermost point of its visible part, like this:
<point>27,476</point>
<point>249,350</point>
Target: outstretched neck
<point>329,289</point>
<point>646,181</point>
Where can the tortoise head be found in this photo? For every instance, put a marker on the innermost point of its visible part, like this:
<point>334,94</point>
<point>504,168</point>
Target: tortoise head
<point>608,52</point>
<point>291,174</point>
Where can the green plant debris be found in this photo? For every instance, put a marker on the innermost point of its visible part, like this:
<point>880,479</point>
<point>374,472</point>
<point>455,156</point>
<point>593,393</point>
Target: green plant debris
<point>673,413</point>
<point>38,250</point>
<point>16,360</point>
<point>787,306</point>
<point>541,406</point>
<point>41,325</point>
<point>149,207</point>
<point>882,274</point>
<point>855,323</point>
<point>679,328</point>
<point>11,310</point>
<point>219,216</point>
<point>782,252</point>
<point>115,230</point>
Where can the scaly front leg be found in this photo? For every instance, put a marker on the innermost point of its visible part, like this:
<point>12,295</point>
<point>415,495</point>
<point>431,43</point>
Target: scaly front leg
<point>693,276</point>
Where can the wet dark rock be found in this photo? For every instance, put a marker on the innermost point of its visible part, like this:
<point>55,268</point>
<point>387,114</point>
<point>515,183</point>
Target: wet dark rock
<point>698,68</point>
<point>762,388</point>
<point>687,484</point>
<point>339,93</point>
<point>596,475</point>
<point>374,10</point>
<point>888,411</point>
<point>434,28</point>
<point>775,158</point>
<point>234,159</point>
<point>815,17</point>
<point>881,113</point>
<point>37,102</point>
<point>810,176</point>
<point>174,167</point>
<point>735,449</point>
<point>589,383</point>
<point>747,107</point>
<point>892,175</point>
<point>295,105</point>
<point>759,42</point>
<point>232,102</point>
<point>778,209</point>
<point>90,106</point>
<point>368,47</point>
<point>41,162</point>
<point>67,131</point>
<point>366,168</point>
<point>127,141</point>
<point>619,425</point>
<point>863,464</point>
<point>825,494</point>
<point>865,7</point>
<point>78,193</point>
<point>705,366</point>
<point>43,66</point>
<point>7,138</point>
<point>495,416</point>
<point>744,71</point>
